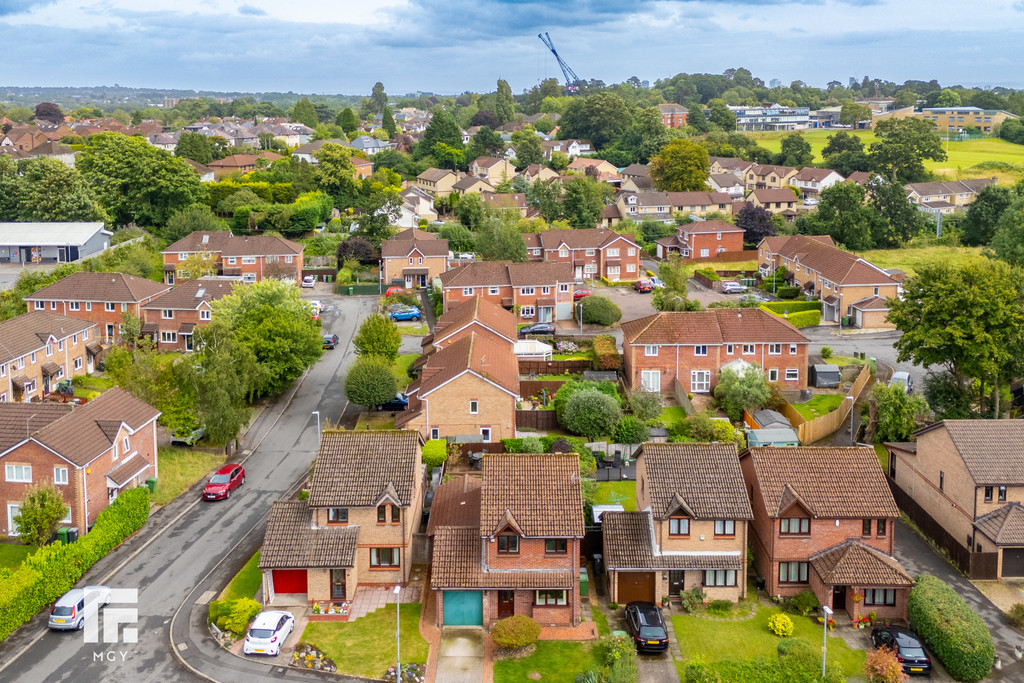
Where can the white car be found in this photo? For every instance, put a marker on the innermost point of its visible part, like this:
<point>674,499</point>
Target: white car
<point>466,256</point>
<point>733,288</point>
<point>268,632</point>
<point>317,306</point>
<point>810,201</point>
<point>656,282</point>
<point>309,281</point>
<point>77,605</point>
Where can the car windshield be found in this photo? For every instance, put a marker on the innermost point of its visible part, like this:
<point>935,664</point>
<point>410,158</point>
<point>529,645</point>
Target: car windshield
<point>261,632</point>
<point>221,478</point>
<point>62,611</point>
<point>914,652</point>
<point>652,632</point>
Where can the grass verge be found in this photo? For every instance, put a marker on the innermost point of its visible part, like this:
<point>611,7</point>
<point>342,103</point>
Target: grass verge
<point>414,331</point>
<point>822,404</point>
<point>400,369</point>
<point>611,492</point>
<point>601,620</point>
<point>180,468</point>
<point>12,555</point>
<point>375,421</point>
<point>366,647</point>
<point>552,662</point>
<point>246,582</point>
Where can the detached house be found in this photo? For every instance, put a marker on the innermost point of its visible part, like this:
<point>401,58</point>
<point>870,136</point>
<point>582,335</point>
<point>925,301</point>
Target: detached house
<point>824,521</point>
<point>691,347</point>
<point>811,181</point>
<point>727,183</point>
<point>541,291</point>
<point>102,298</point>
<point>591,253</point>
<point>673,115</point>
<point>251,257</point>
<point>90,453</point>
<point>492,169</point>
<point>733,165</point>
<point>946,197</point>
<point>780,201</point>
<point>689,530</point>
<point>437,181</point>
<point>510,545</point>
<point>413,262</point>
<point>171,319</point>
<point>603,171</point>
<point>38,349</point>
<point>702,239</point>
<point>365,503</point>
<point>765,176</point>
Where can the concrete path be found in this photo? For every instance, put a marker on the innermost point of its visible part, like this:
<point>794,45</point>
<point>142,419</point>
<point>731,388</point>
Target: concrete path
<point>461,659</point>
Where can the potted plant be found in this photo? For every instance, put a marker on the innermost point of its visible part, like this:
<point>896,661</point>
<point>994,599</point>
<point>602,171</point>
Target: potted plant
<point>665,601</point>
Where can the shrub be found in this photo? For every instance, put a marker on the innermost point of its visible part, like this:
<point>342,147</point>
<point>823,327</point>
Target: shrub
<point>588,677</point>
<point>804,601</point>
<point>781,625</point>
<point>719,608</point>
<point>599,310</point>
<point>41,512</point>
<point>882,666</point>
<point>435,452</point>
<point>787,292</point>
<point>826,352</point>
<point>532,444</point>
<point>708,273</point>
<point>737,391</point>
<point>953,631</point>
<point>516,631</point>
<point>370,382</point>
<point>619,647</point>
<point>624,670</point>
<point>691,599</point>
<point>378,336</point>
<point>630,430</point>
<point>606,354</point>
<point>591,413</point>
<point>699,672</point>
<point>1016,615</point>
<point>646,405</point>
<point>561,445</point>
<point>240,613</point>
<point>801,319</point>
<point>569,388</point>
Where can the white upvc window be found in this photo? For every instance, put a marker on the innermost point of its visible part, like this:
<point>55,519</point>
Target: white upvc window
<point>774,349</point>
<point>728,349</point>
<point>53,305</point>
<point>288,259</point>
<point>700,350</point>
<point>205,314</point>
<point>19,474</point>
<point>467,291</point>
<point>704,253</point>
<point>563,253</point>
<point>526,312</point>
<point>410,260</point>
<point>590,252</point>
<point>630,267</point>
<point>232,260</point>
<point>78,363</point>
<point>248,260</point>
<point>563,288</point>
<point>474,407</point>
<point>74,306</point>
<point>85,335</point>
<point>49,350</point>
<point>631,251</point>
<point>434,433</point>
<point>60,476</point>
<point>792,374</point>
<point>60,344</point>
<point>40,305</point>
<point>650,349</point>
<point>748,349</point>
<point>167,314</point>
<point>169,337</point>
<point>88,305</point>
<point>526,291</point>
<point>108,307</point>
<point>700,381</point>
<point>493,291</point>
<point>590,268</point>
<point>612,253</point>
<point>3,369</point>
<point>33,358</point>
<point>792,349</point>
<point>545,290</point>
<point>773,374</point>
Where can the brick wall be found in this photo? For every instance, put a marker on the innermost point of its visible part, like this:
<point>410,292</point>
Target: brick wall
<point>447,409</point>
<point>94,311</point>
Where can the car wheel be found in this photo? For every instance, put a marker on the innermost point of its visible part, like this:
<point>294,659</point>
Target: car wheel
<point>243,478</point>
<point>227,494</point>
<point>80,625</point>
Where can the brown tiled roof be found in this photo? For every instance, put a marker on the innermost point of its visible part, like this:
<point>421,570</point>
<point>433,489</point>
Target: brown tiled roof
<point>358,468</point>
<point>628,545</point>
<point>128,470</point>
<point>89,431</point>
<point>432,175</point>
<point>585,238</point>
<point>541,492</point>
<point>28,332</point>
<point>241,160</point>
<point>690,198</point>
<point>482,355</point>
<point>50,369</point>
<point>188,295</point>
<point>829,482</point>
<point>456,503</point>
<point>538,274</point>
<point>457,563</point>
<point>772,194</point>
<point>725,179</point>
<point>19,420</point>
<point>710,226</point>
<point>1004,525</point>
<point>816,174</point>
<point>611,211</point>
<point>480,310</point>
<point>471,181</point>
<point>401,248</point>
<point>872,303</point>
<point>487,162</point>
<point>414,234</point>
<point>228,244</point>
<point>732,163</point>
<point>199,168</point>
<point>991,449</point>
<point>636,170</point>
<point>719,326</point>
<point>505,273</point>
<point>852,563</point>
<point>767,169</point>
<point>905,446</point>
<point>703,478</point>
<point>859,177</point>
<point>833,263</point>
<point>494,200</point>
<point>106,287</point>
<point>290,543</point>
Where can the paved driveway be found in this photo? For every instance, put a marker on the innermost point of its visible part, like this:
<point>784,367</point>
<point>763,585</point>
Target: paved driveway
<point>461,659</point>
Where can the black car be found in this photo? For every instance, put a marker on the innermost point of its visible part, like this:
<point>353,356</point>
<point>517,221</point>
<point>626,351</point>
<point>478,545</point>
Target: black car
<point>909,650</point>
<point>330,341</point>
<point>536,328</point>
<point>646,626</point>
<point>399,402</point>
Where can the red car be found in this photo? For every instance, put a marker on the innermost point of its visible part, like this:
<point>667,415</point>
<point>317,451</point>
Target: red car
<point>581,293</point>
<point>394,290</point>
<point>223,482</point>
<point>643,286</point>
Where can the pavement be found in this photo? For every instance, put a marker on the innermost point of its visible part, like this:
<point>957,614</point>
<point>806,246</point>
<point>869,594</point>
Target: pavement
<point>190,549</point>
<point>461,658</point>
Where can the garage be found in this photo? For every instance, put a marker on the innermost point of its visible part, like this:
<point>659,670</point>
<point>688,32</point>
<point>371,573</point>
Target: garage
<point>635,586</point>
<point>463,608</point>
<point>1013,562</point>
<point>289,580</point>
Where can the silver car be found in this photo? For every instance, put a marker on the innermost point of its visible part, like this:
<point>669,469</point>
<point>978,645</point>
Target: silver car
<point>78,604</point>
<point>902,379</point>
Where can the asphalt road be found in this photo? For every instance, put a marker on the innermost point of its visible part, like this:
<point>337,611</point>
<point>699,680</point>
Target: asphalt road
<point>195,535</point>
<point>878,345</point>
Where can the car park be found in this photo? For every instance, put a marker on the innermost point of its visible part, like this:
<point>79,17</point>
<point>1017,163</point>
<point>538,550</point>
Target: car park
<point>407,313</point>
<point>330,341</point>
<point>643,286</point>
<point>223,482</point>
<point>536,328</point>
<point>309,281</point>
<point>268,632</point>
<point>733,288</point>
<point>646,626</point>
<point>394,290</point>
<point>399,402</point>
<point>581,293</point>
<point>74,607</point>
<point>909,650</point>
<point>904,380</point>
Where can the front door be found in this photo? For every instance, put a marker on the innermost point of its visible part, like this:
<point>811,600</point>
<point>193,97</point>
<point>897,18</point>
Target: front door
<point>337,584</point>
<point>506,604</point>
<point>838,598</point>
<point>188,342</point>
<point>676,585</point>
<point>110,332</point>
<point>579,272</point>
<point>46,383</point>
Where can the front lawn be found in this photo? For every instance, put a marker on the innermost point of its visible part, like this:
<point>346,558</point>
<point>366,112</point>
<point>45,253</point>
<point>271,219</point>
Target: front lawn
<point>672,414</point>
<point>90,386</point>
<point>11,555</point>
<point>414,330</point>
<point>180,468</point>
<point>375,420</point>
<point>611,492</point>
<point>366,647</point>
<point>246,582</point>
<point>822,404</point>
<point>400,369</point>
<point>715,641</point>
<point>553,661</point>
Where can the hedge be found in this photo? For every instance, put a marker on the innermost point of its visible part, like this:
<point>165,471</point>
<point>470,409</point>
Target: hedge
<point>787,292</point>
<point>617,283</point>
<point>54,569</point>
<point>308,211</point>
<point>516,631</point>
<point>606,353</point>
<point>779,307</point>
<point>709,274</point>
<point>435,452</point>
<point>953,631</point>
<point>801,319</point>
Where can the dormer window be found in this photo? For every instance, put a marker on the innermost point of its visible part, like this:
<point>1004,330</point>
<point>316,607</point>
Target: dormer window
<point>678,526</point>
<point>508,544</point>
<point>337,515</point>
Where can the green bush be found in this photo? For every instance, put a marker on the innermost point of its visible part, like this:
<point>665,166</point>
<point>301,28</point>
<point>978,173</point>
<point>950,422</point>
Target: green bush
<point>516,631</point>
<point>697,671</point>
<point>826,352</point>
<point>787,292</point>
<point>708,273</point>
<point>532,444</point>
<point>54,569</point>
<point>951,629</point>
<point>591,413</point>
<point>569,388</point>
<point>719,608</point>
<point>780,307</point>
<point>1016,615</point>
<point>599,310</point>
<point>692,599</point>
<point>804,601</point>
<point>435,452</point>
<point>630,430</point>
<point>240,613</point>
<point>606,353</point>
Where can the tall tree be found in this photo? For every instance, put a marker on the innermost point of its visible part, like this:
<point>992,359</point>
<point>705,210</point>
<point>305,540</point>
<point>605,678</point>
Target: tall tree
<point>347,120</point>
<point>194,146</point>
<point>50,191</point>
<point>796,151</point>
<point>681,166</point>
<point>387,122</point>
<point>719,115</point>
<point>948,98</point>
<point>50,112</point>
<point>756,223</point>
<point>845,154</point>
<point>983,215</point>
<point>305,113</point>
<point>378,98</point>
<point>335,173</point>
<point>646,136</point>
<point>225,375</point>
<point>1008,240</point>
<point>499,238</point>
<point>504,105</point>
<point>378,336</point>
<point>901,147</point>
<point>900,220</point>
<point>843,214</point>
<point>486,143</point>
<point>600,118</point>
<point>442,128</point>
<point>583,201</point>
<point>528,148</point>
<point>850,114</point>
<point>193,218</point>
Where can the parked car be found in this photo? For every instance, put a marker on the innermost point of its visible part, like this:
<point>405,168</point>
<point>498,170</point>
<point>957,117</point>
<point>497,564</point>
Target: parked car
<point>407,313</point>
<point>466,256</point>
<point>309,281</point>
<point>909,650</point>
<point>316,304</point>
<point>399,402</point>
<point>754,298</point>
<point>903,379</point>
<point>74,607</point>
<point>733,288</point>
<point>536,328</point>
<point>268,632</point>
<point>656,282</point>
<point>223,482</point>
<point>330,341</point>
<point>647,627</point>
<point>188,438</point>
<point>394,290</point>
<point>810,201</point>
<point>581,293</point>
<point>643,286</point>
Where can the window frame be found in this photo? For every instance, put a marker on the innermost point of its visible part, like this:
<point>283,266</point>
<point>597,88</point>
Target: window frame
<point>394,558</point>
<point>550,598</point>
<point>788,522</point>
<point>503,540</point>
<point>700,350</point>
<point>888,597</point>
<point>679,532</point>
<point>556,546</point>
<point>382,514</point>
<point>720,578</point>
<point>726,525</point>
<point>341,513</point>
<point>792,374</point>
<point>648,348</point>
<point>881,527</point>
<point>802,572</point>
<point>19,472</point>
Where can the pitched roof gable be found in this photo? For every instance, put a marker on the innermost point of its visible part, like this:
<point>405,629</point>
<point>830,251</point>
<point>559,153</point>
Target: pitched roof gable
<point>354,469</point>
<point>542,492</point>
<point>718,326</point>
<point>832,262</point>
<point>476,353</point>
<point>480,310</point>
<point>31,331</point>
<point>106,287</point>
<point>991,449</point>
<point>704,479</point>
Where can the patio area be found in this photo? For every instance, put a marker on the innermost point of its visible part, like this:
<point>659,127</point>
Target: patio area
<point>371,598</point>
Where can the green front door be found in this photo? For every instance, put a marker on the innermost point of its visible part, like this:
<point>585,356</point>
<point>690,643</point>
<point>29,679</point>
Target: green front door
<point>463,608</point>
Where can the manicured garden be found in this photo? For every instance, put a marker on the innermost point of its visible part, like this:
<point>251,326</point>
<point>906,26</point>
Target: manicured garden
<point>821,404</point>
<point>366,647</point>
<point>552,662</point>
<point>180,468</point>
<point>11,554</point>
<point>621,492</point>
<point>246,582</point>
<point>91,386</point>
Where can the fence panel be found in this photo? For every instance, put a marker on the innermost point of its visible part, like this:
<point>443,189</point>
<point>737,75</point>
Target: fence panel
<point>984,566</point>
<point>532,387</point>
<point>553,367</point>
<point>960,555</point>
<point>810,431</point>
<point>536,419</point>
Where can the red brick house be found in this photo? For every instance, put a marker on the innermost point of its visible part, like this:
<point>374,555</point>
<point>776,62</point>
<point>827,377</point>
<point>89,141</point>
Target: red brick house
<point>824,520</point>
<point>591,253</point>
<point>90,453</point>
<point>702,239</point>
<point>103,298</point>
<point>541,291</point>
<point>673,115</point>
<point>501,549</point>
<point>171,318</point>
<point>250,257</point>
<point>38,349</point>
<point>692,347</point>
<point>412,262</point>
<point>487,320</point>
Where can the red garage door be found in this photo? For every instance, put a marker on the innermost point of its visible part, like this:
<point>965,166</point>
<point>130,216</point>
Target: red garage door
<point>289,580</point>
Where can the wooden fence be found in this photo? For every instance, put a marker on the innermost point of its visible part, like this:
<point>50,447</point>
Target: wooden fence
<point>536,419</point>
<point>532,387</point>
<point>553,367</point>
<point>810,431</point>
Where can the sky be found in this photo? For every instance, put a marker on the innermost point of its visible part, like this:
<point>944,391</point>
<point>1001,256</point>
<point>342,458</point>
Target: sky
<point>451,46</point>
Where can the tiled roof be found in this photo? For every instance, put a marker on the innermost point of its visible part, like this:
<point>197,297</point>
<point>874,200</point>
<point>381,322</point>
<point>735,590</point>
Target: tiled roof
<point>477,353</point>
<point>457,563</point>
<point>810,173</point>
<point>1004,525</point>
<point>725,179</point>
<point>480,310</point>
<point>432,175</point>
<point>852,563</point>
<point>291,543</point>
<point>991,449</point>
<point>772,194</point>
<point>28,332</point>
<point>710,226</point>
<point>859,177</point>
<point>872,303</point>
<point>229,244</point>
<point>691,198</point>
<point>719,326</point>
<point>951,187</point>
<point>703,478</point>
<point>493,200</point>
<point>767,169</point>
<point>401,248</point>
<point>19,420</point>
<point>414,234</point>
<point>732,163</point>
<point>107,287</point>
<point>89,431</point>
<point>487,162</point>
<point>358,468</point>
<point>833,263</point>
<point>540,492</point>
<point>128,470</point>
<point>586,238</point>
<point>636,170</point>
<point>505,273</point>
<point>188,295</point>
<point>628,545</point>
<point>829,482</point>
<point>456,503</point>
<point>470,182</point>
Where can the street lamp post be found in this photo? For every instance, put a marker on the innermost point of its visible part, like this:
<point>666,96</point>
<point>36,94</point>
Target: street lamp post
<point>318,432</point>
<point>824,637</point>
<point>579,308</point>
<point>398,632</point>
